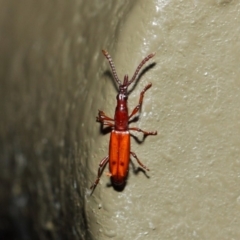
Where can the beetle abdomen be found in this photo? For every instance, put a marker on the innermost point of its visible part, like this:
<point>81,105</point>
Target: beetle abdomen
<point>119,148</point>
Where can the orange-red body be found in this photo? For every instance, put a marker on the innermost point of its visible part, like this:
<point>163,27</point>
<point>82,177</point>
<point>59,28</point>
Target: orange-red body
<point>119,156</point>
<point>119,146</point>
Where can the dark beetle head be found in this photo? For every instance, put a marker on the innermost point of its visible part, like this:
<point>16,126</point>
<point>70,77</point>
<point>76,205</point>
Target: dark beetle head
<point>124,87</point>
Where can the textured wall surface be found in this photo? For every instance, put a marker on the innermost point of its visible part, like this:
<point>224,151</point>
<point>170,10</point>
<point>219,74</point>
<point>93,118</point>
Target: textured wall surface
<point>53,80</point>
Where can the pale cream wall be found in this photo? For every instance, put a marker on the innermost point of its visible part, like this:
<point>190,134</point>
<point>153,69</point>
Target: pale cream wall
<point>193,187</point>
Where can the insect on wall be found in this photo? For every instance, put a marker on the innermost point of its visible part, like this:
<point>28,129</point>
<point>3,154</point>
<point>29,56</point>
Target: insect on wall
<point>118,157</point>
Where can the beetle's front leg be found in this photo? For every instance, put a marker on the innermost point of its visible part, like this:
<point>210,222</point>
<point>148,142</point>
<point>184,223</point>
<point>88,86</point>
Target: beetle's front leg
<point>102,117</point>
<point>144,132</point>
<point>102,165</point>
<point>136,109</point>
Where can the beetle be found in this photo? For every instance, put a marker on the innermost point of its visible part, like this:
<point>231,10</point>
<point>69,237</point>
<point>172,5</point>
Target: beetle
<point>119,145</point>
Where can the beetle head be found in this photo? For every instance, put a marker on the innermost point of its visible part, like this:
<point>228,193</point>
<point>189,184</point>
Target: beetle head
<point>123,94</point>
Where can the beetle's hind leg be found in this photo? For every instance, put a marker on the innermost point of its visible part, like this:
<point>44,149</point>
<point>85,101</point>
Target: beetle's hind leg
<point>102,165</point>
<point>139,162</point>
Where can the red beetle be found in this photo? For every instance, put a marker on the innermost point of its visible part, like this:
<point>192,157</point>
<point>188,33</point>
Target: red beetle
<point>119,146</point>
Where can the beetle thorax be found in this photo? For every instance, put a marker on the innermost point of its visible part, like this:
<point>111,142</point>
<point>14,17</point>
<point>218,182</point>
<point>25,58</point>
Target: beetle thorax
<point>121,112</point>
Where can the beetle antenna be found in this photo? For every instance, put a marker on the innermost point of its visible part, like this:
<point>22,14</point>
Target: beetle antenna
<point>107,55</point>
<point>140,66</point>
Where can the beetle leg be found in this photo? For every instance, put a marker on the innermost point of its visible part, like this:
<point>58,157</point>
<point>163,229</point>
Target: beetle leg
<point>136,109</point>
<point>144,132</point>
<point>108,124</point>
<point>135,156</point>
<point>102,164</point>
<point>102,117</point>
